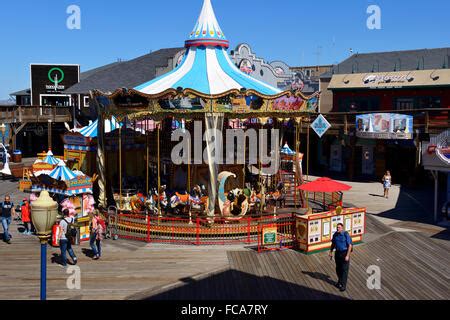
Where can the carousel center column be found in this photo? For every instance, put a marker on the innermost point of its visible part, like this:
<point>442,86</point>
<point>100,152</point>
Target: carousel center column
<point>213,135</point>
<point>102,200</point>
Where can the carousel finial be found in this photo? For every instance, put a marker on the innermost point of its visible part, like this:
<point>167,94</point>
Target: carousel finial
<point>207,31</point>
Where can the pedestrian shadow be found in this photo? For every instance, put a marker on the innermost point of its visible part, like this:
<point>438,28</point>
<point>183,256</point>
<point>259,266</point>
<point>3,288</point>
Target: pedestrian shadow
<point>376,195</point>
<point>320,276</point>
<point>56,259</point>
<point>88,252</point>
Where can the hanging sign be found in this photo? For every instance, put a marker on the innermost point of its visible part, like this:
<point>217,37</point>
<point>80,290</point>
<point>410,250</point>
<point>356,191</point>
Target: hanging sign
<point>384,126</point>
<point>320,126</point>
<point>269,235</point>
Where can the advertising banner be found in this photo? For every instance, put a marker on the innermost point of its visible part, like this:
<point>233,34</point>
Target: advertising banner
<point>385,126</point>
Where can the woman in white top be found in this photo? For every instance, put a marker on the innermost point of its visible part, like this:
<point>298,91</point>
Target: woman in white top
<point>387,183</point>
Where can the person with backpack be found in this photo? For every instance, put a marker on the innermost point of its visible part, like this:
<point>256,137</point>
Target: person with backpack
<point>67,235</point>
<point>98,229</point>
<point>343,244</point>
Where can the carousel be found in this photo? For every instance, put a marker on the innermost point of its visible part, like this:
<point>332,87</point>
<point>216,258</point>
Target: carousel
<point>150,192</point>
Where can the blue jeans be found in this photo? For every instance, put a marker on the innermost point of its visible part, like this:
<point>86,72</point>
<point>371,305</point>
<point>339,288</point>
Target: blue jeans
<point>5,224</point>
<point>66,246</point>
<point>95,244</point>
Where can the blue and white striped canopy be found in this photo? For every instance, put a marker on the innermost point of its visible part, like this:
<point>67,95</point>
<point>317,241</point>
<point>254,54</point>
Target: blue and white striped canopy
<point>36,188</point>
<point>206,66</point>
<point>91,131</point>
<point>50,159</point>
<point>62,173</point>
<point>287,150</point>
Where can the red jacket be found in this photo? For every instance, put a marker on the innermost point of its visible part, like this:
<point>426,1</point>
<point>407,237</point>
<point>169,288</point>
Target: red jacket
<point>26,214</point>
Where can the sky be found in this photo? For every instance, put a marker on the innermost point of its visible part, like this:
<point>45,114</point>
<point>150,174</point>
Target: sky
<point>298,32</point>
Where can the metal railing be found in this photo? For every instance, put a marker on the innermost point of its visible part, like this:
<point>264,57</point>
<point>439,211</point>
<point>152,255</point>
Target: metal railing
<point>196,231</point>
<point>19,114</point>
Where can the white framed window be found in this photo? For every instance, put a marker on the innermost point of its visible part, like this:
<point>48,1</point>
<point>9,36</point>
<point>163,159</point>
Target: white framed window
<point>86,101</point>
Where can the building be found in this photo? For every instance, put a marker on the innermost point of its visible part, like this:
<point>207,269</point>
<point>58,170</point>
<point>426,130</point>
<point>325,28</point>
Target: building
<point>414,83</point>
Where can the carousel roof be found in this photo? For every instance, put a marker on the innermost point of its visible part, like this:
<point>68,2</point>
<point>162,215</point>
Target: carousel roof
<point>50,159</point>
<point>91,131</point>
<point>61,172</point>
<point>206,67</point>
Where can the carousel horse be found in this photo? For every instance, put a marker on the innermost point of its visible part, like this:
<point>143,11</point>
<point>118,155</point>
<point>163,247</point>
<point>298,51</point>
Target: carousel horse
<point>199,200</point>
<point>179,203</point>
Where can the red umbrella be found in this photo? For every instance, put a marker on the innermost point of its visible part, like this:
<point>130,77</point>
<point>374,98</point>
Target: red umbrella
<point>324,185</point>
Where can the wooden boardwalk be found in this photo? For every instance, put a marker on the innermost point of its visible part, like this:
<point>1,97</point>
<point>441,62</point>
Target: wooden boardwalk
<point>413,266</point>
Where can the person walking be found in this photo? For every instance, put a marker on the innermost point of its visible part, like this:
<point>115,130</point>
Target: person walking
<point>65,240</point>
<point>8,213</point>
<point>343,244</point>
<point>97,235</point>
<point>26,216</point>
<point>387,183</point>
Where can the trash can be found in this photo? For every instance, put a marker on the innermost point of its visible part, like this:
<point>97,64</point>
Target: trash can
<point>17,156</point>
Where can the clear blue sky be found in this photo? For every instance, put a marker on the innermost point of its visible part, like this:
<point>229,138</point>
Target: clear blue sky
<point>34,31</point>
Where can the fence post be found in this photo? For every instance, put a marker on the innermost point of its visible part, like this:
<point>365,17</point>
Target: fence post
<point>197,232</point>
<point>248,231</point>
<point>148,227</point>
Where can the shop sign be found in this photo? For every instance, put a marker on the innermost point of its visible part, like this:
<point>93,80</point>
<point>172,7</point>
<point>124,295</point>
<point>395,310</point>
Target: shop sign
<point>385,126</point>
<point>82,181</point>
<point>388,78</point>
<point>320,126</point>
<point>75,139</point>
<point>269,235</point>
<point>440,146</point>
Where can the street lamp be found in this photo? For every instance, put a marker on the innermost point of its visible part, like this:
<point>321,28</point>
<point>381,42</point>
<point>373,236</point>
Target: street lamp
<point>43,214</point>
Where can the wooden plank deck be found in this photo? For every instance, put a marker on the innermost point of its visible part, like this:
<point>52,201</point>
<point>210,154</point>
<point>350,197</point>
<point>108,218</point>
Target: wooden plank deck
<point>413,266</point>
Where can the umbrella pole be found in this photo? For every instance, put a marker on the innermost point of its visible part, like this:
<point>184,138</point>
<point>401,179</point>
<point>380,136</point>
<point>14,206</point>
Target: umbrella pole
<point>307,148</point>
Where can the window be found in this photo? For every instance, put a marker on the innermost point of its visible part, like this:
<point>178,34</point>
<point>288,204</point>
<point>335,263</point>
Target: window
<point>86,101</point>
<point>417,103</point>
<point>353,104</point>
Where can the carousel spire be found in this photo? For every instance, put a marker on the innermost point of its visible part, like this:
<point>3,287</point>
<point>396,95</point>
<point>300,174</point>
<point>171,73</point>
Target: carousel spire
<point>207,31</point>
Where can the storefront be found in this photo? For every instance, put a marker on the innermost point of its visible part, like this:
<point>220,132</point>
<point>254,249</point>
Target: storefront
<point>436,159</point>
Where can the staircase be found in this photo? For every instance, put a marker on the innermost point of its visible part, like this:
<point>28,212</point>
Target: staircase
<point>294,198</point>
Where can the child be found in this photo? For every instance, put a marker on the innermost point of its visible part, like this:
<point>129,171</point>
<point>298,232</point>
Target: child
<point>26,216</point>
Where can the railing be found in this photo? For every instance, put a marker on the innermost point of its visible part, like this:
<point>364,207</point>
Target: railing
<point>430,119</point>
<point>280,233</point>
<point>326,199</point>
<point>19,114</point>
<point>198,231</point>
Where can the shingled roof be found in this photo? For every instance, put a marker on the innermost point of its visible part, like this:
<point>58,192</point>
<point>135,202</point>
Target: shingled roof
<point>127,74</point>
<point>423,59</point>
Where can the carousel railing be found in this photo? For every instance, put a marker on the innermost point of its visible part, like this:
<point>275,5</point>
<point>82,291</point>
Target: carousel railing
<point>196,231</point>
<point>325,200</point>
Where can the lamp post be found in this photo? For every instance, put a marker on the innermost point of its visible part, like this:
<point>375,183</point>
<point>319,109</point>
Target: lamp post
<point>44,213</point>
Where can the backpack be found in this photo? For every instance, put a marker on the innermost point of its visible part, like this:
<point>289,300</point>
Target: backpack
<point>72,230</point>
<point>101,222</point>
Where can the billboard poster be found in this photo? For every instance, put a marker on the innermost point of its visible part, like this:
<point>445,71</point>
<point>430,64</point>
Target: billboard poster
<point>384,126</point>
<point>48,83</point>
